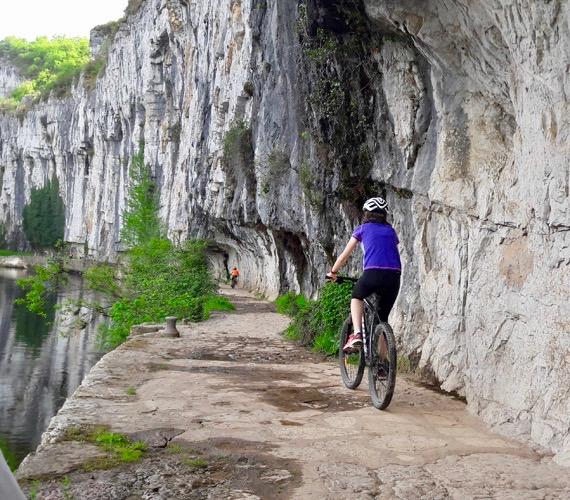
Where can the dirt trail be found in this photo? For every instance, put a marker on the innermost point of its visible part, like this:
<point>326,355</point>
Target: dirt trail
<point>231,410</point>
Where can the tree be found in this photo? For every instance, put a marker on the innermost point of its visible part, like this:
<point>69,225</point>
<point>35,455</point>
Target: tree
<point>44,216</point>
<point>141,222</point>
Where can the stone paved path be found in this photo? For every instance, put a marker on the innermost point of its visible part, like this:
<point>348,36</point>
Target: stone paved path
<point>233,411</point>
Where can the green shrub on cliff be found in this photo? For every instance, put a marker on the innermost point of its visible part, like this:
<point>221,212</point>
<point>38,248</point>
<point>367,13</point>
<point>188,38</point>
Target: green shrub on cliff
<point>48,65</point>
<point>238,151</point>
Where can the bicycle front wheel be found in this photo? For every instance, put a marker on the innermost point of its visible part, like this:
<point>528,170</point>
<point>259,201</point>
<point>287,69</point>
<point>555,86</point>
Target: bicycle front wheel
<point>382,369</point>
<point>351,364</point>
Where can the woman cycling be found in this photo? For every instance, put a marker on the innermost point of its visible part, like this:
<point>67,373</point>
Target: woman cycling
<point>382,266</point>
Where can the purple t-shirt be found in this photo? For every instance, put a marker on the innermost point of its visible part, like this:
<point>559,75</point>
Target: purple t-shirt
<point>379,244</point>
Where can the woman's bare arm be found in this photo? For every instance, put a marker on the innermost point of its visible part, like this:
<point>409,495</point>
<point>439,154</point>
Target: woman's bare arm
<point>343,257</point>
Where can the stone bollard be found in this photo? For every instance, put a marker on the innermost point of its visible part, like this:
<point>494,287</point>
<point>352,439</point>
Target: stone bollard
<point>171,330</point>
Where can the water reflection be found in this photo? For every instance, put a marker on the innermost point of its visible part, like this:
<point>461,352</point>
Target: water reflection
<point>42,361</point>
<point>32,329</point>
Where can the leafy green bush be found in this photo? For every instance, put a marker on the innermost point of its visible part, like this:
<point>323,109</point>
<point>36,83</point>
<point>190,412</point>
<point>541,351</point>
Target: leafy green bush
<point>44,216</point>
<point>123,449</point>
<point>48,65</point>
<point>248,89</point>
<point>160,280</point>
<point>39,287</point>
<point>238,150</point>
<point>318,323</point>
<point>103,278</point>
<point>120,448</point>
<point>32,329</point>
<point>291,304</point>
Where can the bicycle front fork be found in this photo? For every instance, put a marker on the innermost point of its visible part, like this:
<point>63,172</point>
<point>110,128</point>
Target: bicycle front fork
<point>365,337</point>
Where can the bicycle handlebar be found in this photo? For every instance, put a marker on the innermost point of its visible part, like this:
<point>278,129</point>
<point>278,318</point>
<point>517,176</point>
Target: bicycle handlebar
<point>343,279</point>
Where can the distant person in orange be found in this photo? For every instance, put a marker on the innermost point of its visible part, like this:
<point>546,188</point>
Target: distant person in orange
<point>234,274</point>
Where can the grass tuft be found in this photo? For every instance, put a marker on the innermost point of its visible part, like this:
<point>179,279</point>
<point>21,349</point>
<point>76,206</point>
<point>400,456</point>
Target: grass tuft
<point>174,449</point>
<point>84,434</point>
<point>216,303</point>
<point>11,253</point>
<point>120,448</point>
<point>404,364</point>
<point>196,463</point>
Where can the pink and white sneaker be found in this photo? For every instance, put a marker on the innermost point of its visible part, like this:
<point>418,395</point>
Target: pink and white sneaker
<point>354,343</point>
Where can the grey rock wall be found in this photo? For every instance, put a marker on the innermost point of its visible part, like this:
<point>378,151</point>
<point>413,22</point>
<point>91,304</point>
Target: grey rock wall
<point>457,112</point>
<point>9,78</point>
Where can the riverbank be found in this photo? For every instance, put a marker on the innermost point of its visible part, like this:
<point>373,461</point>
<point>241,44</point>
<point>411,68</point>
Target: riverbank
<point>29,261</point>
<point>20,261</point>
<point>232,410</point>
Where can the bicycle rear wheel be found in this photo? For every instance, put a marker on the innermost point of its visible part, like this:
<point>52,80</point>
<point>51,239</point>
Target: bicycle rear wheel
<point>351,364</point>
<point>382,369</point>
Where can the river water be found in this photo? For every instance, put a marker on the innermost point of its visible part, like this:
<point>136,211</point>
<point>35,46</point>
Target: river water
<point>42,361</point>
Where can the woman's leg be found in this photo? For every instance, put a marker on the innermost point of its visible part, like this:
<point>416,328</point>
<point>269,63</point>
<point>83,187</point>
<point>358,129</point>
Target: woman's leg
<point>356,309</point>
<point>362,289</point>
<point>387,294</point>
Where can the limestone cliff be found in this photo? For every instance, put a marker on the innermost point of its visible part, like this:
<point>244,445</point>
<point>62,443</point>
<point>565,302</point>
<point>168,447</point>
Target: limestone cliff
<point>9,78</point>
<point>267,123</point>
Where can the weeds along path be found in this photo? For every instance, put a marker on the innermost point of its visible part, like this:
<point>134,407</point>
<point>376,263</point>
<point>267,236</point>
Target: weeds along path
<point>231,410</point>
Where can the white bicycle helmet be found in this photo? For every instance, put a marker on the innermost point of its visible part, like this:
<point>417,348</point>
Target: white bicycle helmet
<point>374,204</point>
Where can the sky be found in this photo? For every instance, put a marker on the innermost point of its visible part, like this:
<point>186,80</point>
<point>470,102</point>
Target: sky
<point>32,18</point>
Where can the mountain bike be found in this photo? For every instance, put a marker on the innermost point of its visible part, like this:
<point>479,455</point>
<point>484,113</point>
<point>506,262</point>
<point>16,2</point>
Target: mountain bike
<point>378,353</point>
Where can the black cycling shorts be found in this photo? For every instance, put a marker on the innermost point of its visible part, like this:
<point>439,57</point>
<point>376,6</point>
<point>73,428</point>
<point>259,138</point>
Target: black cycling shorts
<point>383,282</point>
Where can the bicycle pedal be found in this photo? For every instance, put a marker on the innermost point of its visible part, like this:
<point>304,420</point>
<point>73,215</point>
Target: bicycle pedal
<point>351,350</point>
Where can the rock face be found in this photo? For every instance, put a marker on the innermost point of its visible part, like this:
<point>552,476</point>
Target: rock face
<point>268,123</point>
<point>9,78</point>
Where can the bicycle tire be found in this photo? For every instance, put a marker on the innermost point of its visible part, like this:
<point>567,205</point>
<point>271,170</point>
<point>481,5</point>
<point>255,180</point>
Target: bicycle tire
<point>381,385</point>
<point>351,365</point>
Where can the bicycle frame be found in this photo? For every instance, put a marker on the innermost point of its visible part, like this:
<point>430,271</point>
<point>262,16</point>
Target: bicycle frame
<point>370,321</point>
